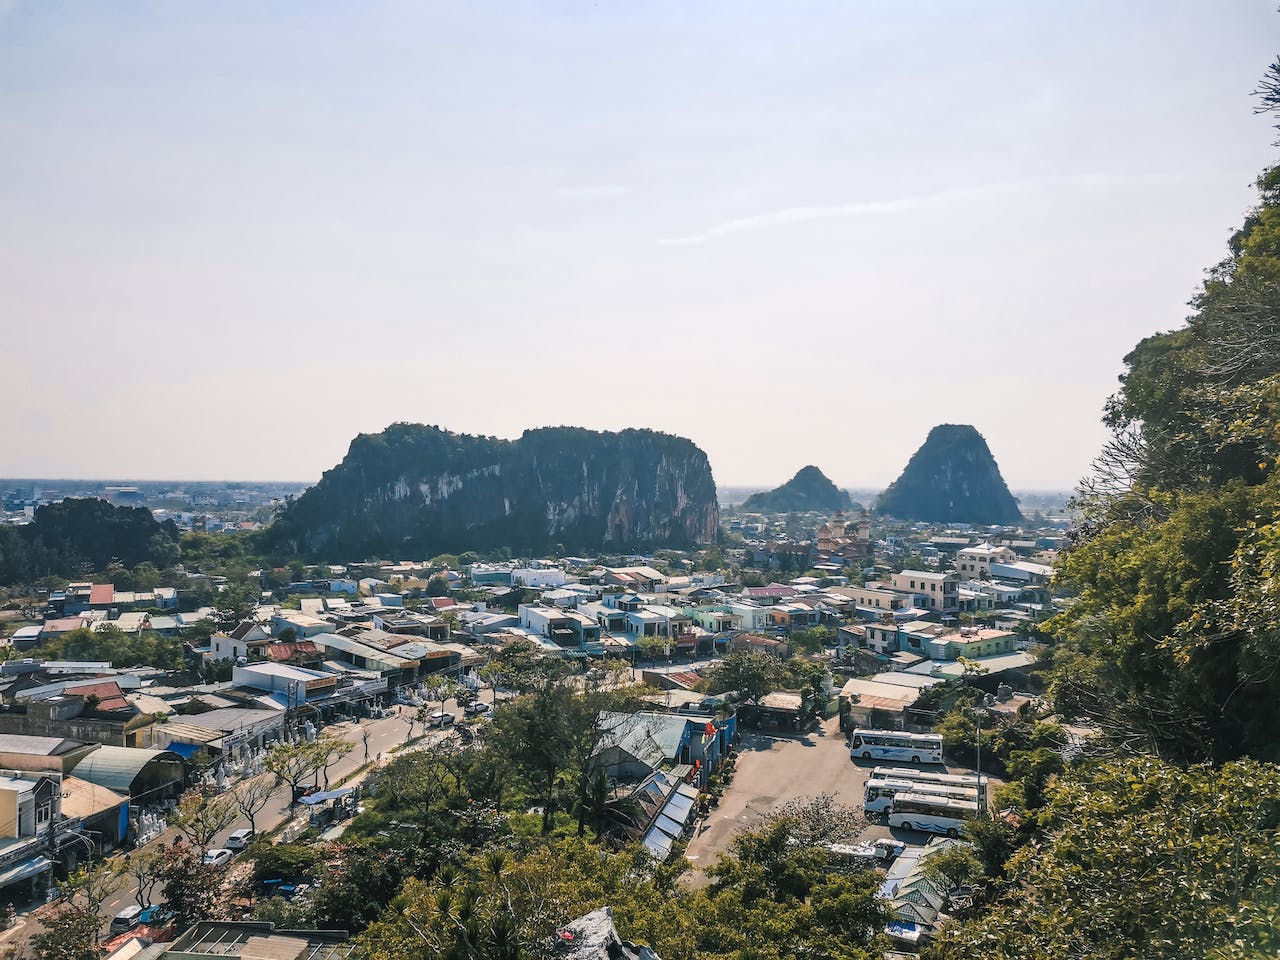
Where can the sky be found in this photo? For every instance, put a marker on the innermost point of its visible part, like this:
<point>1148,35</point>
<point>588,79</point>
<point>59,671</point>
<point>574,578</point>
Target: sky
<point>235,235</point>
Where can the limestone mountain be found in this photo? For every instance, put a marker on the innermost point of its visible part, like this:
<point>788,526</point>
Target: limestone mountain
<point>415,490</point>
<point>952,478</point>
<point>808,490</point>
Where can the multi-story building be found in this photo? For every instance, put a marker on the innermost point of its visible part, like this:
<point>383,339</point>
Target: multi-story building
<point>935,592</point>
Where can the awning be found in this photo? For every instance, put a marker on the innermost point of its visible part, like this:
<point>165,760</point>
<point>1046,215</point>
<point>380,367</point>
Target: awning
<point>185,750</point>
<point>27,868</point>
<point>323,795</point>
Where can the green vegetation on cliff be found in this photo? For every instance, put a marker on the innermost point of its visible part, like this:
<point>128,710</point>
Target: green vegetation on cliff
<point>75,537</point>
<point>1163,843</point>
<point>952,478</point>
<point>415,489</point>
<point>808,490</point>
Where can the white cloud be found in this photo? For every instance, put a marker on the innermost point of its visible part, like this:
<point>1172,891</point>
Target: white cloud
<point>788,216</point>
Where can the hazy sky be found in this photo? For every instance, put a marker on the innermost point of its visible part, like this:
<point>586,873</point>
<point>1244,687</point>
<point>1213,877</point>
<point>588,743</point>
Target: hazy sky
<point>234,235</point>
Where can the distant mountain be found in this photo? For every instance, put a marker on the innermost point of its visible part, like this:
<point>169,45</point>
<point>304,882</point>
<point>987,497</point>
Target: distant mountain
<point>953,478</point>
<point>808,490</point>
<point>415,490</point>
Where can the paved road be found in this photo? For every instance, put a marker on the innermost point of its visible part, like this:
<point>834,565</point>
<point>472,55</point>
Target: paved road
<point>384,735</point>
<point>772,770</point>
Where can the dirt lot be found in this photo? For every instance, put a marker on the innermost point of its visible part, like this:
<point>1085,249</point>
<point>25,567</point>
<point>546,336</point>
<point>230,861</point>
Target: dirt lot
<point>774,769</point>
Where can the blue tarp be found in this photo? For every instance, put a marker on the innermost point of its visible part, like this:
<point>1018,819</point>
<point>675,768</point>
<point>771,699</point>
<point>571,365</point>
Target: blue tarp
<point>324,795</point>
<point>185,750</point>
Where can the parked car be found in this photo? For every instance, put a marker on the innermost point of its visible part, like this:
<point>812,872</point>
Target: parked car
<point>441,719</point>
<point>127,919</point>
<point>240,839</point>
<point>477,707</point>
<point>218,857</point>
<point>160,915</point>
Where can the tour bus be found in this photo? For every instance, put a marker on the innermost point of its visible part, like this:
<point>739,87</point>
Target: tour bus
<point>934,814</point>
<point>896,745</point>
<point>928,776</point>
<point>878,795</point>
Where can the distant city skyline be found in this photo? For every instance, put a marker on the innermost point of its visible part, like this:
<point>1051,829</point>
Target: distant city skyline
<point>235,236</point>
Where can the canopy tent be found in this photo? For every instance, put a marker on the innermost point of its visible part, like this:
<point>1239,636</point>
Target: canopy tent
<point>323,795</point>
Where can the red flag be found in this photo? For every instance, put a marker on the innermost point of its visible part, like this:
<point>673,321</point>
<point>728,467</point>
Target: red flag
<point>711,729</point>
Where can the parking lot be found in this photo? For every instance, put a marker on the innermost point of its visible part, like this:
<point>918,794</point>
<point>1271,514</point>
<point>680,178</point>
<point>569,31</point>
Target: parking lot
<point>773,770</point>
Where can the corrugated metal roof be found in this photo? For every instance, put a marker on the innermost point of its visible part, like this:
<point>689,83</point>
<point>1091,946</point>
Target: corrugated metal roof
<point>117,767</point>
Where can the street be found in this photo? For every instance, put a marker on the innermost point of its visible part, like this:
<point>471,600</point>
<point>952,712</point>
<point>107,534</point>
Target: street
<point>384,735</point>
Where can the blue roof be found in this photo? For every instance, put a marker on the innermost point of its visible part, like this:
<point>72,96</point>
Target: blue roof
<point>185,750</point>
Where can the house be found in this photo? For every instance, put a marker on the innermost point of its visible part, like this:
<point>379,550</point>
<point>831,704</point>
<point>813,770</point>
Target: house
<point>102,813</point>
<point>89,710</point>
<point>873,600</point>
<point>916,896</point>
<point>644,579</point>
<point>255,940</point>
<point>1022,571</point>
<point>935,592</point>
<point>303,625</point>
<point>290,685</point>
<point>29,805</point>
<point>537,578</point>
<point>631,746</point>
<point>974,563</point>
<point>147,776</point>
<point>882,701</point>
<point>795,616</point>
<point>568,629</point>
<point>755,643</point>
<point>970,643</point>
<point>771,594</point>
<point>657,812</point>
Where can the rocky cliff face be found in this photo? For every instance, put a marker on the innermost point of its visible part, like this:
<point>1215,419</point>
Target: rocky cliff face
<point>415,490</point>
<point>808,490</point>
<point>951,479</point>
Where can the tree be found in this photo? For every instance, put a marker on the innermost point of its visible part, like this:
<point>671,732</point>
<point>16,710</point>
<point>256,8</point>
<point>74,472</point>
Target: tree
<point>328,749</point>
<point>252,797</point>
<point>522,666</point>
<point>537,737</point>
<point>143,867</point>
<point>1141,859</point>
<point>74,931</point>
<point>192,888</point>
<point>750,674</point>
<point>293,763</point>
<point>811,640</point>
<point>200,818</point>
<point>812,821</point>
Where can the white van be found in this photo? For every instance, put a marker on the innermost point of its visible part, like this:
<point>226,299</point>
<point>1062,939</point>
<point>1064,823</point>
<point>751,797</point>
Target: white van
<point>126,919</point>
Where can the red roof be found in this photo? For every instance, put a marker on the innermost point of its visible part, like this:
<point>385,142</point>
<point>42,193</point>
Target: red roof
<point>107,692</point>
<point>101,594</point>
<point>287,651</point>
<point>441,602</point>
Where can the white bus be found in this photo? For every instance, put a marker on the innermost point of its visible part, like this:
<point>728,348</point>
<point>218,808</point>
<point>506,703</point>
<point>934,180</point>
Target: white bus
<point>878,794</point>
<point>929,776</point>
<point>896,745</point>
<point>922,811</point>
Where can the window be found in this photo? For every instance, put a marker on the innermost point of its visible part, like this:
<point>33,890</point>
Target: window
<point>43,814</point>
